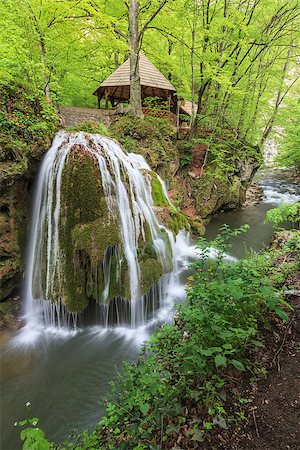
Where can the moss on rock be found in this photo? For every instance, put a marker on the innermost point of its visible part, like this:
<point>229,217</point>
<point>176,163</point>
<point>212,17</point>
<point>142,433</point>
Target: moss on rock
<point>178,221</point>
<point>86,230</point>
<point>153,138</point>
<point>158,196</point>
<point>151,271</point>
<point>27,126</point>
<point>93,238</point>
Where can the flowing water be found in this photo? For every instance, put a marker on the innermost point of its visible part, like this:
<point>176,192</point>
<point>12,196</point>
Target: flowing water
<point>276,191</point>
<point>64,372</point>
<point>126,183</point>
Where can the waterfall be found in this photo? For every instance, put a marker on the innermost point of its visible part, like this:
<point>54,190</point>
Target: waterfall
<point>126,186</point>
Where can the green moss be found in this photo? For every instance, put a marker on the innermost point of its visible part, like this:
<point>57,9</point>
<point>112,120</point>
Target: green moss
<point>151,271</point>
<point>158,196</point>
<point>151,137</point>
<point>26,121</point>
<point>178,221</point>
<point>91,127</point>
<point>93,238</point>
<point>27,125</point>
<point>86,229</point>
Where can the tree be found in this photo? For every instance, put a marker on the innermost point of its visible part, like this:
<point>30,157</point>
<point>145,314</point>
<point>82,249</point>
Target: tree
<point>289,148</point>
<point>134,39</point>
<point>45,30</point>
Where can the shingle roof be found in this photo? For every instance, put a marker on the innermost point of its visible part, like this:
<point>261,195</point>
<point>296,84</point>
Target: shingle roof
<point>187,107</point>
<point>150,76</point>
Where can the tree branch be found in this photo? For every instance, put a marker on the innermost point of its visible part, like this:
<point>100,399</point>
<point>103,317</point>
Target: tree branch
<point>152,17</point>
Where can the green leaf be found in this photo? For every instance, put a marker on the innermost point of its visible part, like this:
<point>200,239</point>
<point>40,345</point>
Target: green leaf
<point>227,346</point>
<point>282,314</point>
<point>238,365</point>
<point>207,352</point>
<point>144,408</point>
<point>220,360</point>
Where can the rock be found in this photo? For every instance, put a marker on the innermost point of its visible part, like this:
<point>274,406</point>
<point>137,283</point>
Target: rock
<point>247,170</point>
<point>254,195</point>
<point>21,149</point>
<point>9,312</point>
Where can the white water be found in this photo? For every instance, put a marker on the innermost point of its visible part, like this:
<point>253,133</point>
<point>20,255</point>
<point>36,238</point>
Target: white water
<point>134,208</point>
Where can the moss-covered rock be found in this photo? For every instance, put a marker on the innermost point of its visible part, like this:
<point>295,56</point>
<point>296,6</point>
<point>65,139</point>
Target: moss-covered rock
<point>92,263</point>
<point>212,195</point>
<point>153,138</point>
<point>178,221</point>
<point>151,270</point>
<point>87,229</point>
<point>158,196</point>
<point>27,126</point>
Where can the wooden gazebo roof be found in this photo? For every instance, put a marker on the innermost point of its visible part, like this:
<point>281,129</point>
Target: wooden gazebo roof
<point>153,82</point>
<point>186,107</point>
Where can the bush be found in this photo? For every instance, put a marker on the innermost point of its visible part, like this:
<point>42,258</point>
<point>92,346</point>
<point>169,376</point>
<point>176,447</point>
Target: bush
<point>285,213</point>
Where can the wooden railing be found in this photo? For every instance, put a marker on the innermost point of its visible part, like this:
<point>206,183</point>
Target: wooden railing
<point>162,114</point>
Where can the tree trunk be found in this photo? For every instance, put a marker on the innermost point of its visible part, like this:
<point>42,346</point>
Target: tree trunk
<point>280,96</point>
<point>45,75</point>
<point>134,41</point>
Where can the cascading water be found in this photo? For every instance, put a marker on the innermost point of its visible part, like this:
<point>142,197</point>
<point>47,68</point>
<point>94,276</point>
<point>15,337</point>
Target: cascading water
<point>126,186</point>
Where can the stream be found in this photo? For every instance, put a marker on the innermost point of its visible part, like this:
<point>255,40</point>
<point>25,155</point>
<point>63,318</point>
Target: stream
<point>64,374</point>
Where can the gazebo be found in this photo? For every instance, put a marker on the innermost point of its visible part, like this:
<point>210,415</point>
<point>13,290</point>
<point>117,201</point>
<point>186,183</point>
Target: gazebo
<point>116,88</point>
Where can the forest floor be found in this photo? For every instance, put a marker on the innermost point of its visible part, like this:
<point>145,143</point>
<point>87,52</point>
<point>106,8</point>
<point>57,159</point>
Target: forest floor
<point>272,414</point>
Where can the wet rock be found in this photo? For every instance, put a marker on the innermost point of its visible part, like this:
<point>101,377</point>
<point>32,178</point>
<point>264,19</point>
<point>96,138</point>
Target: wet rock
<point>21,149</point>
<point>9,314</point>
<point>254,194</point>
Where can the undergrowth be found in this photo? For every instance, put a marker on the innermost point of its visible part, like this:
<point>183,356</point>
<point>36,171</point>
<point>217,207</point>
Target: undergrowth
<point>26,122</point>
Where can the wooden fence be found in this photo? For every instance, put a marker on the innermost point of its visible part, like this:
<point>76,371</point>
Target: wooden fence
<point>162,114</point>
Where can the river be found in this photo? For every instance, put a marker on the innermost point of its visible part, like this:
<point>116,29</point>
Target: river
<point>65,374</point>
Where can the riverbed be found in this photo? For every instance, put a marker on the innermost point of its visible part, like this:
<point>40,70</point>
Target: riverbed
<point>65,373</point>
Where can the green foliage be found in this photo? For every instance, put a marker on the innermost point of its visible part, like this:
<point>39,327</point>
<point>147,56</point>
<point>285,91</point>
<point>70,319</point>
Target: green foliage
<point>33,437</point>
<point>27,125</point>
<point>155,103</point>
<point>232,59</point>
<point>151,137</point>
<point>149,127</point>
<point>185,364</point>
<point>225,154</point>
<point>185,149</point>
<point>92,127</point>
<point>289,150</point>
<point>284,213</point>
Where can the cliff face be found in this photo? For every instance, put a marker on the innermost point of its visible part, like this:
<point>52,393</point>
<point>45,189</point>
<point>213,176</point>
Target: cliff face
<point>27,126</point>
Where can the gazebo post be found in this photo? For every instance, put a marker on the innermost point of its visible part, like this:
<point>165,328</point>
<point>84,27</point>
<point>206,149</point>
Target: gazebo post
<point>170,98</point>
<point>99,98</point>
<point>106,98</point>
